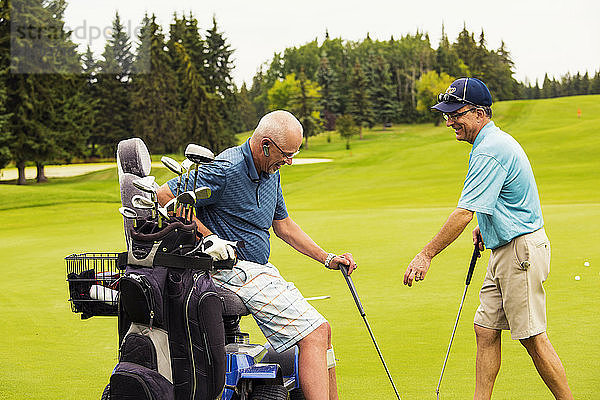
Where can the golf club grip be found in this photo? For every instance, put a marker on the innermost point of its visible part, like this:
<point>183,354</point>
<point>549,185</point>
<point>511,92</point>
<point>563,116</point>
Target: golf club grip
<point>344,269</point>
<point>474,258</point>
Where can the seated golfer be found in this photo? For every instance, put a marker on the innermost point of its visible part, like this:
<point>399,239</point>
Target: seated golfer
<point>501,188</point>
<point>246,201</point>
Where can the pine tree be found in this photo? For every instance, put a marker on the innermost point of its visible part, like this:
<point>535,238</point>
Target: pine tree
<point>43,61</point>
<point>329,102</point>
<point>246,109</point>
<point>306,106</point>
<point>217,74</point>
<point>386,107</point>
<point>154,112</point>
<point>360,106</point>
<point>113,122</point>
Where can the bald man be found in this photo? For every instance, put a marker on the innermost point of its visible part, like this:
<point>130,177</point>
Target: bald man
<point>246,201</point>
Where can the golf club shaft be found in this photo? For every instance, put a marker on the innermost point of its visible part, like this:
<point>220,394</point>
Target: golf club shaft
<point>474,258</point>
<point>361,310</point>
<point>437,390</point>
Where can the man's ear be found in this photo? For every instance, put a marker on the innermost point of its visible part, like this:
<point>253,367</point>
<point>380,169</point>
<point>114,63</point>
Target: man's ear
<point>265,148</point>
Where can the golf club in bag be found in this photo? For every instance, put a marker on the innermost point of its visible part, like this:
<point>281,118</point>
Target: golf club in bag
<point>474,258</point>
<point>344,269</point>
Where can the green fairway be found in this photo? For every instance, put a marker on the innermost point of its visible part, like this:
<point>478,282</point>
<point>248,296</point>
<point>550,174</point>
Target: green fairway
<point>382,201</point>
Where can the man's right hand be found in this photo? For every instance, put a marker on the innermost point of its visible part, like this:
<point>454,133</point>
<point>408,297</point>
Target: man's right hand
<point>218,248</point>
<point>477,239</point>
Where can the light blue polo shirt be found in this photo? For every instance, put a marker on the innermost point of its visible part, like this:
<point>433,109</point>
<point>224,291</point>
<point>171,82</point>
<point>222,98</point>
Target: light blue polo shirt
<point>243,204</point>
<point>500,188</point>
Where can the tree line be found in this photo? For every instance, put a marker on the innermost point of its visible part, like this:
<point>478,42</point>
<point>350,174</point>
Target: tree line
<point>383,82</point>
<point>57,105</point>
<point>172,86</point>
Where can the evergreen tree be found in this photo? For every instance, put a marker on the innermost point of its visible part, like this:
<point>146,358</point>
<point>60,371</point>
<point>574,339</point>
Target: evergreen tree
<point>43,61</point>
<point>306,106</point>
<point>218,67</point>
<point>246,109</point>
<point>329,102</point>
<point>113,122</point>
<point>386,106</point>
<point>447,60</point>
<point>595,84</point>
<point>360,106</point>
<point>154,112</point>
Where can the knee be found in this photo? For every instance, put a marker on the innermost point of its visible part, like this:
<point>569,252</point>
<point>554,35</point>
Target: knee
<point>320,337</point>
<point>486,336</point>
<point>534,343</point>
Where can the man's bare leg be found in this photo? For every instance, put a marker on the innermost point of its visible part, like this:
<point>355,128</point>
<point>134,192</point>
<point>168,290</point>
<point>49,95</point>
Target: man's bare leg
<point>314,377</point>
<point>487,363</point>
<point>548,365</point>
<point>333,394</point>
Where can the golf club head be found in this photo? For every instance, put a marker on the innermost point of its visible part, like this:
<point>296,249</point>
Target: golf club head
<point>145,184</point>
<point>186,164</point>
<point>187,198</point>
<point>128,212</point>
<point>198,154</point>
<point>172,165</point>
<point>142,202</point>
<point>170,206</point>
<point>202,193</point>
<point>163,213</point>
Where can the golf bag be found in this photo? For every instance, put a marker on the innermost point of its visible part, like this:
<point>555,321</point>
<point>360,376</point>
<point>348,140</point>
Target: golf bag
<point>170,318</point>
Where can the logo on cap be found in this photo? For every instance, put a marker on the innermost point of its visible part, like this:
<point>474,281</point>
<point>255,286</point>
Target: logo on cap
<point>451,89</point>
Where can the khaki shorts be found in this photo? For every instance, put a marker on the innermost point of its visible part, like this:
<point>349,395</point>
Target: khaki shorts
<point>278,307</point>
<point>512,296</point>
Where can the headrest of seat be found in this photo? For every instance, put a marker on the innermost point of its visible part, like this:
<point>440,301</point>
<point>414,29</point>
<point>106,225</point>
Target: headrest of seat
<point>133,157</point>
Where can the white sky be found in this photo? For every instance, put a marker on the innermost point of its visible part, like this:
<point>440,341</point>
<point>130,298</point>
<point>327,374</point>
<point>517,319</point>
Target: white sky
<point>554,36</point>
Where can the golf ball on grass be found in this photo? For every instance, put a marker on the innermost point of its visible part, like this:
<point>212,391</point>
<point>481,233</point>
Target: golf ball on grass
<point>586,264</point>
<point>577,277</point>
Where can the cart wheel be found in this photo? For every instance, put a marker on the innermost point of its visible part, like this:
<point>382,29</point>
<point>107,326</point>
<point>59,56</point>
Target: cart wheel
<point>269,392</point>
<point>106,393</point>
<point>297,394</point>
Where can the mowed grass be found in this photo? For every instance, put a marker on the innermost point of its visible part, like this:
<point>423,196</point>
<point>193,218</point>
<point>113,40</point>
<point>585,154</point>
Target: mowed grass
<point>382,201</point>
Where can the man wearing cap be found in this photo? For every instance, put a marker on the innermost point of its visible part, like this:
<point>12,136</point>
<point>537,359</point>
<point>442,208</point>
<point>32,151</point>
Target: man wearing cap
<point>501,189</point>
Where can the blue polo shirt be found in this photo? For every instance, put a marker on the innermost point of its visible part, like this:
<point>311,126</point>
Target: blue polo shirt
<point>243,203</point>
<point>500,188</point>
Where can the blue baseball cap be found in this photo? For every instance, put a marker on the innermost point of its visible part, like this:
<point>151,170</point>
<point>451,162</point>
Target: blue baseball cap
<point>461,92</point>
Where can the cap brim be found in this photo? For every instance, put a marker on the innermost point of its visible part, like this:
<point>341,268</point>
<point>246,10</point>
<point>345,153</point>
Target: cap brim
<point>448,107</point>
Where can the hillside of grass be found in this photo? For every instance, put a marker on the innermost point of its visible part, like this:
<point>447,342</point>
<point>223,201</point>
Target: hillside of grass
<point>382,200</point>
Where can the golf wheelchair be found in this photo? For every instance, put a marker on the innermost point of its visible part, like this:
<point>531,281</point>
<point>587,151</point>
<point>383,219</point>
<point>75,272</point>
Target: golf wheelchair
<point>179,334</point>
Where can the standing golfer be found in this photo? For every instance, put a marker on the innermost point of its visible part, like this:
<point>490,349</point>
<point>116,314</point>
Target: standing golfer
<point>501,188</point>
<point>246,202</point>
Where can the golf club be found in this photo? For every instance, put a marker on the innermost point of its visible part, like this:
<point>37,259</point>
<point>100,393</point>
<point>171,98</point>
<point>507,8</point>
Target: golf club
<point>174,167</point>
<point>198,155</point>
<point>129,213</point>
<point>143,203</point>
<point>186,165</point>
<point>147,184</point>
<point>474,258</point>
<point>188,199</point>
<point>344,269</point>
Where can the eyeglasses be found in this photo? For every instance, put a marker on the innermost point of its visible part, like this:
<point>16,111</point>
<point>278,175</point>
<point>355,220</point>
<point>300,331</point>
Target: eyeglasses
<point>289,156</point>
<point>452,98</point>
<point>456,116</point>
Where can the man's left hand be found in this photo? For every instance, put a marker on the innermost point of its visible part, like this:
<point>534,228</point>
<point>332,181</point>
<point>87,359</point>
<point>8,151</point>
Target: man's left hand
<point>417,269</point>
<point>345,259</point>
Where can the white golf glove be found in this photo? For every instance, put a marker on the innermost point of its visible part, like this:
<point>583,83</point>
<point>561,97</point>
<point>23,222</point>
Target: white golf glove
<point>218,248</point>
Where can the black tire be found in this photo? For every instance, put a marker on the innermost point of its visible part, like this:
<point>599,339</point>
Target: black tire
<point>269,392</point>
<point>297,394</point>
<point>106,393</point>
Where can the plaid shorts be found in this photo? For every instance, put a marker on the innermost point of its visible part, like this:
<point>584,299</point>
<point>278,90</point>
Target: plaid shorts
<point>280,310</point>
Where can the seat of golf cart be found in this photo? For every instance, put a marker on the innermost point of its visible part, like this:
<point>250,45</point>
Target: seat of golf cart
<point>134,162</point>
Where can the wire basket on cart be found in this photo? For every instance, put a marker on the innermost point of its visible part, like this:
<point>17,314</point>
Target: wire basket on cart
<point>93,280</point>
